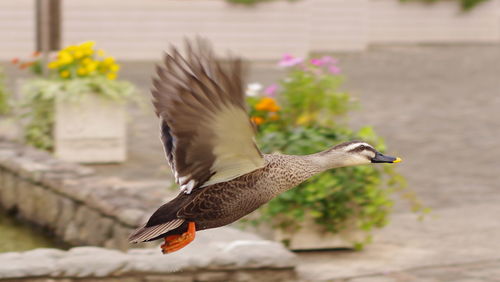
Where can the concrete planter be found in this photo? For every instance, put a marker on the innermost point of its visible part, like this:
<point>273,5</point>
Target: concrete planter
<point>90,130</point>
<point>311,236</point>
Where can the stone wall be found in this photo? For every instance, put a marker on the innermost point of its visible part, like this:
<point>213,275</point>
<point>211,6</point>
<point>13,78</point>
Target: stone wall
<point>67,199</point>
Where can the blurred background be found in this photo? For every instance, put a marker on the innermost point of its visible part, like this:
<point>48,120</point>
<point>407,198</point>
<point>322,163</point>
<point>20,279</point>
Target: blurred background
<point>419,79</point>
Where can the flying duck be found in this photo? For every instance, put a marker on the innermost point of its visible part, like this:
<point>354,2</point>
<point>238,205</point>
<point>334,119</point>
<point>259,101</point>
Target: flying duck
<point>209,143</point>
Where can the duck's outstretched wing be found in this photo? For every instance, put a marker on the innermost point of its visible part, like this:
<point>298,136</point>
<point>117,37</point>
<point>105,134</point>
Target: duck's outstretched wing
<point>207,135</point>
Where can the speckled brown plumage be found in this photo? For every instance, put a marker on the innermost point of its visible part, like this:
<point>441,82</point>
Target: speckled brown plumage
<point>223,203</point>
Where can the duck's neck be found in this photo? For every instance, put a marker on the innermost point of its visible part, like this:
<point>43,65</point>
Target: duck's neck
<point>327,160</point>
<point>293,170</point>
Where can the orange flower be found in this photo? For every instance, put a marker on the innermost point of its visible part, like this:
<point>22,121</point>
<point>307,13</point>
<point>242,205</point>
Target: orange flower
<point>274,116</point>
<point>274,108</point>
<point>26,65</point>
<point>36,54</point>
<point>267,104</point>
<point>14,61</point>
<point>257,120</point>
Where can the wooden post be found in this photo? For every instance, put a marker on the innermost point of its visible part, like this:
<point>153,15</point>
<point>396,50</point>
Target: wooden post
<point>48,28</point>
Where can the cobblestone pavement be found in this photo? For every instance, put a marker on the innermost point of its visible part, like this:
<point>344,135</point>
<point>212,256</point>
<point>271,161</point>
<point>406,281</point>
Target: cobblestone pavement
<point>439,109</point>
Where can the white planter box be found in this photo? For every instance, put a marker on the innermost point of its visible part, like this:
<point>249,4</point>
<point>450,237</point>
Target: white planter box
<point>312,237</point>
<point>309,237</point>
<point>91,130</point>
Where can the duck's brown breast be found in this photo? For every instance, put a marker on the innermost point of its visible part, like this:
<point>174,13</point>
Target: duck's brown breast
<point>223,203</point>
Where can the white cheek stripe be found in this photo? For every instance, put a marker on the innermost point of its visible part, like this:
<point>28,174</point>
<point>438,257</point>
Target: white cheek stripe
<point>355,145</point>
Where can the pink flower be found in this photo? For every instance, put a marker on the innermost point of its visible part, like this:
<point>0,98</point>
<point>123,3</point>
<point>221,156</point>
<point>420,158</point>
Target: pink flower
<point>317,62</point>
<point>329,60</point>
<point>271,90</point>
<point>289,61</point>
<point>334,69</point>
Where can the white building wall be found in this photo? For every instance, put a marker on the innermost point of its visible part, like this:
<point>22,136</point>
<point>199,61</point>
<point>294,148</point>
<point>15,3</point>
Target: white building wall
<point>141,29</point>
<point>443,21</point>
<point>17,28</point>
<point>134,29</point>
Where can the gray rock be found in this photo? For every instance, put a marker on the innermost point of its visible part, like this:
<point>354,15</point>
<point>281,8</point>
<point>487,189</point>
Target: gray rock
<point>170,277</point>
<point>25,267</point>
<point>71,233</point>
<point>67,210</point>
<point>119,238</point>
<point>25,198</point>
<point>157,263</point>
<point>131,217</point>
<point>89,263</point>
<point>212,276</point>
<point>8,194</point>
<point>90,250</point>
<point>46,206</point>
<point>10,256</point>
<point>44,253</point>
<point>254,254</point>
<point>30,169</point>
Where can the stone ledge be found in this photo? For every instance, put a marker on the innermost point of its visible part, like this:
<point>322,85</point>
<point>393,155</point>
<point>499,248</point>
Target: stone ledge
<point>227,258</point>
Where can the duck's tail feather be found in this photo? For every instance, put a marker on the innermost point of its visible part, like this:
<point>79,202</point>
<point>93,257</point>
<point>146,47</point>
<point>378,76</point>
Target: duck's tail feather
<point>146,233</point>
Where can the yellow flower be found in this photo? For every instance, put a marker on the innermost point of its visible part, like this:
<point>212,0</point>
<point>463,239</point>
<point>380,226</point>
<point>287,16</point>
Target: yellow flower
<point>65,74</point>
<point>87,61</point>
<point>257,120</point>
<point>114,67</point>
<point>87,45</point>
<point>53,65</point>
<point>82,71</point>
<point>101,53</point>
<point>305,118</point>
<point>64,58</point>
<point>78,54</point>
<point>109,61</point>
<point>92,66</point>
<point>111,76</point>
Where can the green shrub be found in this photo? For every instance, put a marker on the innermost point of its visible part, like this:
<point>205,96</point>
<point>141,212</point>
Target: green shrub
<point>4,97</point>
<point>306,114</point>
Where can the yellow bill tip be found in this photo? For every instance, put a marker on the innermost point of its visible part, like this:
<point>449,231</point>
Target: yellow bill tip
<point>397,160</point>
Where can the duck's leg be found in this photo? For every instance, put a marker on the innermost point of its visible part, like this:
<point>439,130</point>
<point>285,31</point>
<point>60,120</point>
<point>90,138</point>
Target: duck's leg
<point>176,242</point>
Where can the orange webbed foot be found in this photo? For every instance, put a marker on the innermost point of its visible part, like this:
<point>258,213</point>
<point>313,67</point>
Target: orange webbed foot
<point>176,242</point>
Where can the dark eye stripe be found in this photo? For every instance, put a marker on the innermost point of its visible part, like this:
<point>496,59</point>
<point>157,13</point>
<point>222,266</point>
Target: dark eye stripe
<point>361,148</point>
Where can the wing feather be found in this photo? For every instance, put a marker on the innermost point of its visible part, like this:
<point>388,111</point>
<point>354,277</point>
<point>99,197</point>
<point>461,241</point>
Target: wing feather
<point>207,135</point>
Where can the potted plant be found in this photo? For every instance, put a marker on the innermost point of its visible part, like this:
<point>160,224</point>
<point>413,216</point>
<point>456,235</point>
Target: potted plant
<point>78,110</point>
<point>306,113</point>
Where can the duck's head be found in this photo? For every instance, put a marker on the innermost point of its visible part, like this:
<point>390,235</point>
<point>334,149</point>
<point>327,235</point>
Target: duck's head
<point>355,153</point>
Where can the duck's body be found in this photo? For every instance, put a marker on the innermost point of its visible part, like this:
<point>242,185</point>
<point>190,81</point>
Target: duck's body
<point>208,141</point>
<point>223,203</point>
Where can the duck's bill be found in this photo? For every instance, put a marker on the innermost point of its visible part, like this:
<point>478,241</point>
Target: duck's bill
<point>381,158</point>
